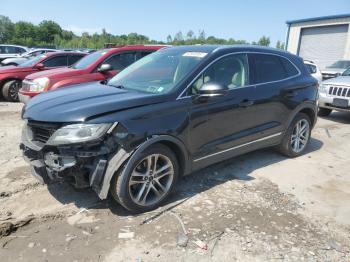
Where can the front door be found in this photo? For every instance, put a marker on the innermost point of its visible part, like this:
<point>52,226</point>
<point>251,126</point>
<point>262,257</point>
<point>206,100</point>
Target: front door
<point>221,123</point>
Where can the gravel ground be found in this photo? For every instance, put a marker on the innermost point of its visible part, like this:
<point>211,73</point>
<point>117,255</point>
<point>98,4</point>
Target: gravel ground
<point>256,207</point>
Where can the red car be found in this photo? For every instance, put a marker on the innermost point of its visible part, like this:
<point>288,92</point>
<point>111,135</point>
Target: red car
<point>98,66</point>
<point>11,76</point>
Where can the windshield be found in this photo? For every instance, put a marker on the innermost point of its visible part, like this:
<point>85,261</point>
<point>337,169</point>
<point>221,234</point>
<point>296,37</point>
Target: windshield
<point>88,60</point>
<point>346,72</point>
<point>158,72</point>
<point>32,61</point>
<point>340,64</point>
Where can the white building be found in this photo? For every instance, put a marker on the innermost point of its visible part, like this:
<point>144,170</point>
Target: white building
<point>323,40</point>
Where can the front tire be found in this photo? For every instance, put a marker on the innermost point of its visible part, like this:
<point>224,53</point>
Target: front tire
<point>324,111</point>
<point>297,136</point>
<point>146,181</point>
<point>10,90</point>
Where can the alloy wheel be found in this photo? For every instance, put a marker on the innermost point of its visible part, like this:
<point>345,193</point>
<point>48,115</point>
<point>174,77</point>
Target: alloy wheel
<point>13,91</point>
<point>300,135</point>
<point>151,179</point>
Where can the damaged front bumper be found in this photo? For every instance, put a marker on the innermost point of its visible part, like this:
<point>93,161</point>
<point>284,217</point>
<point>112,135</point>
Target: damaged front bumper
<point>83,165</point>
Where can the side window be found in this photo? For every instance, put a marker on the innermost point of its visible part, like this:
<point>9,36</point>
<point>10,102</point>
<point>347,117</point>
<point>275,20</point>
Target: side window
<point>56,61</point>
<point>11,50</point>
<point>289,67</point>
<point>231,71</point>
<point>142,54</point>
<point>120,61</point>
<point>19,50</point>
<point>270,68</point>
<point>72,59</point>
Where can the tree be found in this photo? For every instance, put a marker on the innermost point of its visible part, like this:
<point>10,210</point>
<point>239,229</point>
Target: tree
<point>178,37</point>
<point>169,39</point>
<point>190,35</point>
<point>280,45</point>
<point>47,31</point>
<point>6,29</point>
<point>264,41</point>
<point>201,35</point>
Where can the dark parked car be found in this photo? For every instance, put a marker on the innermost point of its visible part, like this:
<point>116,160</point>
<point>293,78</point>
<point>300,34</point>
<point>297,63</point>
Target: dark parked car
<point>170,113</point>
<point>11,76</point>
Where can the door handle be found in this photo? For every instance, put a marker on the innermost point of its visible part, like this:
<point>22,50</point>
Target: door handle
<point>246,103</point>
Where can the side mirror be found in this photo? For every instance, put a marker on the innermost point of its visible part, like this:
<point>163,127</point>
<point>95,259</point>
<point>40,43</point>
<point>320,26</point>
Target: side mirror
<point>212,89</point>
<point>39,66</point>
<point>104,68</point>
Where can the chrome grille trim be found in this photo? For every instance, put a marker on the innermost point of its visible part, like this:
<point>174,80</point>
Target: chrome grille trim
<point>340,91</point>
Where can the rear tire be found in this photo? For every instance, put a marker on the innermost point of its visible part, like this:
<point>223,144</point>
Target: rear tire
<point>146,181</point>
<point>297,136</point>
<point>10,90</point>
<point>324,111</point>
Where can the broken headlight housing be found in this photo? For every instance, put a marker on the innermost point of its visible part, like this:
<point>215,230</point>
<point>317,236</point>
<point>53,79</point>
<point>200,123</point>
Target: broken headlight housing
<point>78,133</point>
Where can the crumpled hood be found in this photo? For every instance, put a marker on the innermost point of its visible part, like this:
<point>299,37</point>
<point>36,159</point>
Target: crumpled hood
<point>55,73</point>
<point>333,70</point>
<point>81,102</point>
<point>14,69</point>
<point>340,80</point>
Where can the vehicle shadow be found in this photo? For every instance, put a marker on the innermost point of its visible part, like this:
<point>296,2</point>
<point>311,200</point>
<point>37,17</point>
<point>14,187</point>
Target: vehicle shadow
<point>238,168</point>
<point>339,117</point>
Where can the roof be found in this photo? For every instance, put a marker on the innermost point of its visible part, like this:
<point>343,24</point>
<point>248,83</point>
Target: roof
<point>228,48</point>
<point>317,18</point>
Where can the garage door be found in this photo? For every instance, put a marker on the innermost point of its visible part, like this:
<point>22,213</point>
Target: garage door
<point>324,45</point>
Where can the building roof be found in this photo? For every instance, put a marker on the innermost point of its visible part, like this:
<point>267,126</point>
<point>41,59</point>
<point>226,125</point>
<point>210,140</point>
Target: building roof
<point>317,18</point>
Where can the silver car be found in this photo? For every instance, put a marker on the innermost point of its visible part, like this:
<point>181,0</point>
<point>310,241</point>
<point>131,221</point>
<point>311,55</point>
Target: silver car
<point>7,51</point>
<point>335,94</point>
<point>26,56</point>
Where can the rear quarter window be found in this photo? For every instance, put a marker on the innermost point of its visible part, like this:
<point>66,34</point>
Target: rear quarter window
<point>268,68</point>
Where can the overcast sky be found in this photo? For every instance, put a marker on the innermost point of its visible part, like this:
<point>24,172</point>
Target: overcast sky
<point>248,20</point>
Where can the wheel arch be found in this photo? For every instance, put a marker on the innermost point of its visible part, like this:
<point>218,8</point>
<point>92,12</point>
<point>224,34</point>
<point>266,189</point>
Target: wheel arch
<point>5,80</point>
<point>123,158</point>
<point>310,109</point>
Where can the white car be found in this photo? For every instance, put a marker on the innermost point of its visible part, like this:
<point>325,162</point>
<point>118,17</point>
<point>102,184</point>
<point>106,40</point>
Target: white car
<point>335,94</point>
<point>25,56</point>
<point>313,70</point>
<point>7,51</point>
<point>335,69</point>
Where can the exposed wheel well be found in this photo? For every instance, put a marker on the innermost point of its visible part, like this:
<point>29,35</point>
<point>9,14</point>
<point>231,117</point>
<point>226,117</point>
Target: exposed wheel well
<point>178,153</point>
<point>310,113</point>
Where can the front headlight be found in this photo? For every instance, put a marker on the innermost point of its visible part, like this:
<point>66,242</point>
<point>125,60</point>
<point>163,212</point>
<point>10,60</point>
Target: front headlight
<point>323,89</point>
<point>78,133</point>
<point>39,84</point>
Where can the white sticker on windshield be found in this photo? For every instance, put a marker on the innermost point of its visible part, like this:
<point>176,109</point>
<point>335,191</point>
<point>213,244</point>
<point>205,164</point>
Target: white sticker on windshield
<point>160,89</point>
<point>195,54</point>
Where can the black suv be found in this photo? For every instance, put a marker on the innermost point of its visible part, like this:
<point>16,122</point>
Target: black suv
<point>175,111</point>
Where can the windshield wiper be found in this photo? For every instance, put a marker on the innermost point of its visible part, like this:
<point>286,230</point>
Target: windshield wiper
<point>117,86</point>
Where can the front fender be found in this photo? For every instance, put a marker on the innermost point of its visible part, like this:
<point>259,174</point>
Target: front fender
<point>117,161</point>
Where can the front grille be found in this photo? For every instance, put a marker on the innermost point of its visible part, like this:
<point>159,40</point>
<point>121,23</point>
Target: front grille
<point>41,132</point>
<point>339,91</point>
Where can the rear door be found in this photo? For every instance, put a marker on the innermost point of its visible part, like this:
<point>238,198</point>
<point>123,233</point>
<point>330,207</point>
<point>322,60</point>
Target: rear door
<point>274,78</point>
<point>56,61</point>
